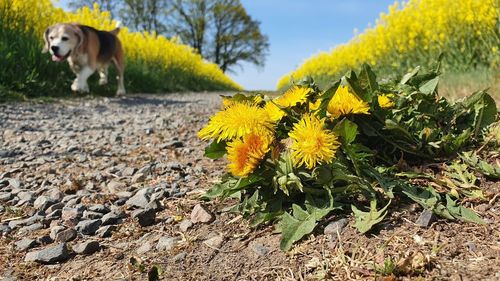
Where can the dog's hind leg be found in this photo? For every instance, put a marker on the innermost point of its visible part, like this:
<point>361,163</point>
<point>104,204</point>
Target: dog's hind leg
<point>120,67</point>
<point>103,74</point>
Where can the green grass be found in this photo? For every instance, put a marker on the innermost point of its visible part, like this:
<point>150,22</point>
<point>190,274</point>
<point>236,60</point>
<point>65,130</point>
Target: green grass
<point>456,85</point>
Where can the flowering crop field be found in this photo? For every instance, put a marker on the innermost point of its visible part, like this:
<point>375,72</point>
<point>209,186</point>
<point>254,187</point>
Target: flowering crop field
<point>415,33</point>
<point>308,153</point>
<point>154,63</point>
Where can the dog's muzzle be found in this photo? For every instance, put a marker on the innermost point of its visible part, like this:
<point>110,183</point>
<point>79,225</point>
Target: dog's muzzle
<point>56,56</point>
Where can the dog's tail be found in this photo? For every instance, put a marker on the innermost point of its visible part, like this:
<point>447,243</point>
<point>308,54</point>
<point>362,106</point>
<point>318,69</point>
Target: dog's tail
<point>117,28</point>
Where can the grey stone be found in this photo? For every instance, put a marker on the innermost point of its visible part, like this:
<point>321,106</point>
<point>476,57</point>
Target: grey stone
<point>116,138</point>
<point>335,227</point>
<point>5,229</point>
<point>201,214</point>
<point>482,207</point>
<point>110,218</point>
<point>55,194</point>
<point>215,242</point>
<point>71,213</point>
<point>120,201</point>
<point>43,202</point>
<point>54,215</point>
<point>26,196</point>
<point>28,221</point>
<point>72,148</point>
<point>185,225</point>
<point>25,244</point>
<point>144,217</point>
<point>67,198</point>
<point>154,204</point>
<point>140,199</point>
<point>14,183</point>
<point>87,247</point>
<point>44,240</point>
<point>5,196</point>
<point>144,248</point>
<point>425,218</point>
<point>73,202</point>
<point>176,166</point>
<point>471,245</point>
<point>173,144</point>
<point>115,186</point>
<point>138,177</point>
<point>167,243</point>
<point>100,208</point>
<point>146,169</point>
<point>128,172</point>
<point>82,158</point>
<point>30,228</point>
<point>90,215</point>
<point>83,192</point>
<point>105,231</point>
<point>88,227</point>
<point>159,195</point>
<point>37,217</point>
<point>65,235</point>
<point>179,194</point>
<point>56,206</point>
<point>55,230</point>
<point>179,257</point>
<point>49,255</point>
<point>124,194</point>
<point>260,249</point>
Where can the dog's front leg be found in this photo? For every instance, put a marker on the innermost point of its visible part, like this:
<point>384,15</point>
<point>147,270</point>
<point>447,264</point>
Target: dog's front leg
<point>80,83</point>
<point>103,74</point>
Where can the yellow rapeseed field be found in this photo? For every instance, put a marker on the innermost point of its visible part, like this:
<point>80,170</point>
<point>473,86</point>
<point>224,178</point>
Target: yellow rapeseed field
<point>415,33</point>
<point>139,46</point>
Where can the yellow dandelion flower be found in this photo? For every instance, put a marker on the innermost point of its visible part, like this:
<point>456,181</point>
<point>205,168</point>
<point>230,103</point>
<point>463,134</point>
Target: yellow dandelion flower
<point>274,112</point>
<point>236,121</point>
<point>385,100</point>
<point>312,144</point>
<point>229,101</point>
<point>295,95</point>
<point>313,106</point>
<point>344,102</point>
<point>245,154</point>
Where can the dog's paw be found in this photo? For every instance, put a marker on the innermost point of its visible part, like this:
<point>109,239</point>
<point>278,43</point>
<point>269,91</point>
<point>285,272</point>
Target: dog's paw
<point>84,88</point>
<point>103,81</point>
<point>120,92</point>
<point>74,86</point>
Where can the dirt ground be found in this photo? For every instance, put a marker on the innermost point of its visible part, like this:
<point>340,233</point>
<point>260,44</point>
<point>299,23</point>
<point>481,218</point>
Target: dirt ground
<point>110,135</point>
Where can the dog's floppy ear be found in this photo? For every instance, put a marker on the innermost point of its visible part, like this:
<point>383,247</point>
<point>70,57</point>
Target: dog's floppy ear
<point>46,45</point>
<point>82,40</point>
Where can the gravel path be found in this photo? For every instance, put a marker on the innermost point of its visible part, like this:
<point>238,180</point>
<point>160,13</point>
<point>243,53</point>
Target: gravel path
<point>74,171</point>
<point>108,189</point>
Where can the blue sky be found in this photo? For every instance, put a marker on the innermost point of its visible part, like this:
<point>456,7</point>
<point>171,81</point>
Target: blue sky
<point>298,29</point>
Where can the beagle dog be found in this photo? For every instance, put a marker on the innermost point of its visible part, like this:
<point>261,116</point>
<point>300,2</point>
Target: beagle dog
<point>87,50</point>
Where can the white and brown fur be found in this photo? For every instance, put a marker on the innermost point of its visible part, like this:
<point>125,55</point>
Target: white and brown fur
<point>87,50</point>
